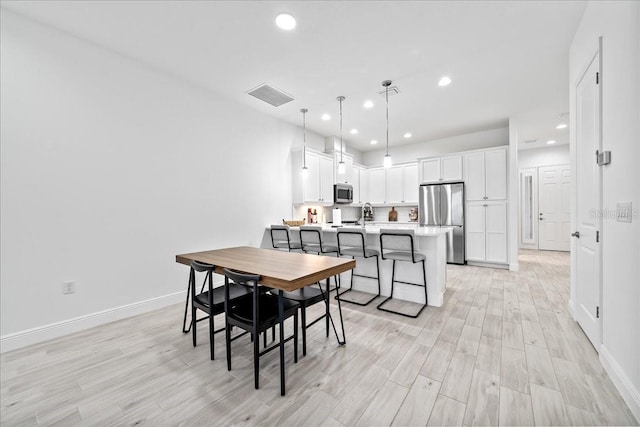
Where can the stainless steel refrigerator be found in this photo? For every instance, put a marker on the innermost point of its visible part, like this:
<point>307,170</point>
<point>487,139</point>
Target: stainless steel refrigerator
<point>442,205</point>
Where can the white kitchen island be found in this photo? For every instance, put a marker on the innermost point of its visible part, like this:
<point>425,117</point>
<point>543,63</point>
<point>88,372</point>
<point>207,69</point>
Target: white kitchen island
<point>430,241</point>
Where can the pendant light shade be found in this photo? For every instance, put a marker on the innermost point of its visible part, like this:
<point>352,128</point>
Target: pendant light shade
<point>387,157</point>
<point>341,166</point>
<point>305,169</point>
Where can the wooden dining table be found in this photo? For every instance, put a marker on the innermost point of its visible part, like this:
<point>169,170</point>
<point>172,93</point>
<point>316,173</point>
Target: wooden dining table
<point>279,270</point>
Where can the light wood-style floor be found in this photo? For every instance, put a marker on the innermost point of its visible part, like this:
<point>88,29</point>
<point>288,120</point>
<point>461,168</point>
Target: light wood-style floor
<point>503,350</point>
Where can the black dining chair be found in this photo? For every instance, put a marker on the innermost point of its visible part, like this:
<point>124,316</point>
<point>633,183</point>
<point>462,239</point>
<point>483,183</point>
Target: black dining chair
<point>209,300</point>
<point>399,245</point>
<point>256,313</point>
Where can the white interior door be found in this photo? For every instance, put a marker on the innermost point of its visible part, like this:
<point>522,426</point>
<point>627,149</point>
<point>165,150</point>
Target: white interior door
<point>554,186</point>
<point>588,203</point>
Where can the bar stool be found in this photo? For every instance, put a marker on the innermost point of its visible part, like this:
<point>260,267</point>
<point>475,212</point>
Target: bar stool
<point>281,238</point>
<point>351,242</point>
<point>312,240</point>
<point>399,246</point>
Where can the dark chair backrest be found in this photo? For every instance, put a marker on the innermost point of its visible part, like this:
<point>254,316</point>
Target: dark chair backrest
<point>397,240</point>
<point>280,234</point>
<point>197,266</point>
<point>249,281</point>
<point>351,238</point>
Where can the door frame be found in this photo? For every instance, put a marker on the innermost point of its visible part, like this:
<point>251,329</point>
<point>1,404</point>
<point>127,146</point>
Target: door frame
<point>574,188</point>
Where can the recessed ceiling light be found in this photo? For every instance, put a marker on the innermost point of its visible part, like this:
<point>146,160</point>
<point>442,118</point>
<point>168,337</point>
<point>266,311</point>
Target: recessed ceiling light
<point>407,135</point>
<point>354,131</point>
<point>374,142</point>
<point>368,104</point>
<point>286,22</point>
<point>561,126</point>
<point>444,81</point>
<point>325,116</point>
<point>551,141</point>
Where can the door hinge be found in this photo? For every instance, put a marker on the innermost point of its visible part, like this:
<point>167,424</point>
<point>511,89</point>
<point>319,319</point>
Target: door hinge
<point>597,312</point>
<point>597,78</point>
<point>597,237</point>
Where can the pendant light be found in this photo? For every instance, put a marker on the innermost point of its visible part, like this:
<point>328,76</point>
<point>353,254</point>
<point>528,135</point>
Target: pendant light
<point>387,158</point>
<point>341,166</point>
<point>305,169</point>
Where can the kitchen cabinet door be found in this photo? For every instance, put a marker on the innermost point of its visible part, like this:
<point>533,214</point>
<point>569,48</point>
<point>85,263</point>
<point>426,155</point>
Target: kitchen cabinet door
<point>496,232</point>
<point>326,179</point>
<point>451,168</point>
<point>474,178</point>
<point>364,186</point>
<point>394,186</point>
<point>410,183</point>
<point>377,185</point>
<point>430,170</point>
<point>311,184</point>
<point>475,231</point>
<point>495,162</point>
<point>348,175</point>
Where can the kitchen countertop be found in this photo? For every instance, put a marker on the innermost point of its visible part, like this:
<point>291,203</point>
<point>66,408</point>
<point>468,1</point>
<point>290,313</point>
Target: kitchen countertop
<point>420,231</point>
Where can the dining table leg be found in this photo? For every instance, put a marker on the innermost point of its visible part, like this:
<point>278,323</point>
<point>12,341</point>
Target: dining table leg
<point>342,341</point>
<point>281,318</point>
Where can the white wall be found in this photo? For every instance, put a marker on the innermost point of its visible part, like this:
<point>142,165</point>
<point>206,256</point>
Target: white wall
<point>547,156</point>
<point>410,152</point>
<point>618,23</point>
<point>108,170</point>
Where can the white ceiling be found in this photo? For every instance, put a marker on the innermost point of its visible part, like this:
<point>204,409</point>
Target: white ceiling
<point>506,58</point>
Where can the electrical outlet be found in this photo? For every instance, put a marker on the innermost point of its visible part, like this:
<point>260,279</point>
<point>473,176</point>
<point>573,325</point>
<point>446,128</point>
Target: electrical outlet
<point>69,288</point>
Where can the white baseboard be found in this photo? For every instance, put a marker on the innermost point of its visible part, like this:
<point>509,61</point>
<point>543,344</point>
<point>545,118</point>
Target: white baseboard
<point>514,266</point>
<point>571,310</point>
<point>627,390</point>
<point>55,330</point>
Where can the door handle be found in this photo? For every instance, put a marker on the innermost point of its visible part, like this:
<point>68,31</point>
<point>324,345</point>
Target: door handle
<point>541,218</point>
<point>576,234</point>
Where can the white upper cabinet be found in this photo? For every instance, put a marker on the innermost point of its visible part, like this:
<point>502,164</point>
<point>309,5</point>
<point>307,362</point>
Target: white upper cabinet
<point>451,168</point>
<point>401,184</point>
<point>393,185</point>
<point>485,175</point>
<point>377,185</point>
<point>410,183</point>
<point>326,180</point>
<point>349,175</point>
<point>439,169</point>
<point>430,170</point>
<point>317,187</point>
<point>360,185</point>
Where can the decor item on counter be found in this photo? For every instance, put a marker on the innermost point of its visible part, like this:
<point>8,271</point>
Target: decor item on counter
<point>387,158</point>
<point>305,169</point>
<point>367,212</point>
<point>294,223</point>
<point>341,166</point>
<point>393,214</point>
<point>413,214</point>
<point>309,216</point>
<point>314,217</point>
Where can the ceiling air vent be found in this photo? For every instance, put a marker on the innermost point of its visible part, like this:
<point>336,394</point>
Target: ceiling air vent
<point>530,141</point>
<point>393,90</point>
<point>270,95</point>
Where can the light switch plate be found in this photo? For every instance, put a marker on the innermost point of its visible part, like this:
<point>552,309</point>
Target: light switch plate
<point>624,212</point>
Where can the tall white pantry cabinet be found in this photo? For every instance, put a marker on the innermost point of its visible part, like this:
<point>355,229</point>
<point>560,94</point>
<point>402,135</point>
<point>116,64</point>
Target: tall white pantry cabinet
<point>485,177</point>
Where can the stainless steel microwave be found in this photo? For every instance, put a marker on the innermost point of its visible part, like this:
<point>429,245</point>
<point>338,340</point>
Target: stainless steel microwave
<point>342,193</point>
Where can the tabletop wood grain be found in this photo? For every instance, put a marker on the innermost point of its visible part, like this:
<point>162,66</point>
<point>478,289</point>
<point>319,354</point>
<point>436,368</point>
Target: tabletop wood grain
<point>280,270</point>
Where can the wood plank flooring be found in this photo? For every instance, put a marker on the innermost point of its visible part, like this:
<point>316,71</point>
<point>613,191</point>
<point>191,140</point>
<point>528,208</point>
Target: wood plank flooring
<point>503,350</point>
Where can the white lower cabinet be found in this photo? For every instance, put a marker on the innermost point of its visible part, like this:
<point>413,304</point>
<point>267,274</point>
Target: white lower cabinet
<point>486,231</point>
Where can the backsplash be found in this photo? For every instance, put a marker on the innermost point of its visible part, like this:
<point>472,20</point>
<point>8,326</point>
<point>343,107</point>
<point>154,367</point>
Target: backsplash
<point>350,213</point>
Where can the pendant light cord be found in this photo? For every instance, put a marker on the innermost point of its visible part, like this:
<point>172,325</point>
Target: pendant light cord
<point>340,129</point>
<point>304,137</point>
<point>386,91</point>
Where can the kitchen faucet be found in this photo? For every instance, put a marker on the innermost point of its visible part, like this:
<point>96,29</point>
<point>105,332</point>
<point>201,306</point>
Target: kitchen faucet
<point>364,208</point>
